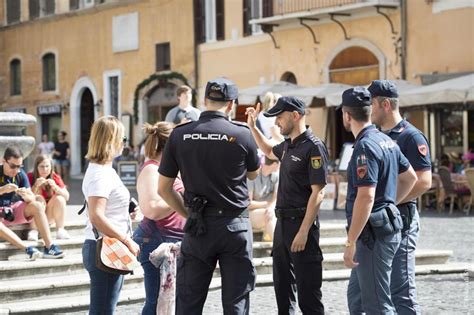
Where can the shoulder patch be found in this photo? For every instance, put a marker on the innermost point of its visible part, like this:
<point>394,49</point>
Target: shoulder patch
<point>316,162</point>
<point>239,123</point>
<point>183,124</point>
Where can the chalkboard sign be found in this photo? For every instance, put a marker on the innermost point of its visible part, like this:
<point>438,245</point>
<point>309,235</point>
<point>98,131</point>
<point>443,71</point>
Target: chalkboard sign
<point>128,171</point>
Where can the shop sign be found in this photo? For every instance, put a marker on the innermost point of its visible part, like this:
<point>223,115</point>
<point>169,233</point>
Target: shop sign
<point>128,171</point>
<point>49,109</point>
<point>16,110</point>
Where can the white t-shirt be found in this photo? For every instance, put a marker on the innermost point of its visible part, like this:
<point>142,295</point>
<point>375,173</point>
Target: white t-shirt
<point>103,181</point>
<point>266,124</point>
<point>46,148</point>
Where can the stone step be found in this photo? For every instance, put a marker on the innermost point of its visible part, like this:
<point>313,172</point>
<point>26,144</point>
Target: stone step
<point>132,295</point>
<point>70,246</point>
<point>335,261</point>
<point>57,285</point>
<point>74,228</point>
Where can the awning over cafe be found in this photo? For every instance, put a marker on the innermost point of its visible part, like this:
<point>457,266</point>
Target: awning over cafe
<point>335,99</point>
<point>250,96</point>
<point>309,94</point>
<point>458,90</point>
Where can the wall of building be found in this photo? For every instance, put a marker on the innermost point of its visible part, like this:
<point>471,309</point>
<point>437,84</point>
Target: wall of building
<point>82,42</point>
<point>439,42</point>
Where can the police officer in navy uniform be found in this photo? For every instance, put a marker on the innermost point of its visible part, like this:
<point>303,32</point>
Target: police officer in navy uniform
<point>214,156</point>
<point>414,146</point>
<point>297,256</point>
<point>374,222</point>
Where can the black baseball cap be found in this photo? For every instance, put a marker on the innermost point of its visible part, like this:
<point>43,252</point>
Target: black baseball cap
<point>286,104</point>
<point>356,97</point>
<point>383,88</point>
<point>222,90</point>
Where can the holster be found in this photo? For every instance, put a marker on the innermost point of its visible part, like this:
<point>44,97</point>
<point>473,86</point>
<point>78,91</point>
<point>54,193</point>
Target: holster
<point>407,211</point>
<point>385,221</point>
<point>195,224</point>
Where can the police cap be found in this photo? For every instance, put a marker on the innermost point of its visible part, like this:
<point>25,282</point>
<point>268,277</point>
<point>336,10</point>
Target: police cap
<point>286,104</point>
<point>356,97</point>
<point>221,90</point>
<point>383,88</point>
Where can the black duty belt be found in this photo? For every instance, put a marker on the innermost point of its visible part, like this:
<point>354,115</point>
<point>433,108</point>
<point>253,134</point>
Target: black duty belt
<point>408,212</point>
<point>219,212</point>
<point>290,213</point>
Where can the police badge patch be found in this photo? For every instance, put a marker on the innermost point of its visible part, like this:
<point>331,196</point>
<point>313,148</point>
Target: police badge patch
<point>423,149</point>
<point>316,162</point>
<point>361,166</point>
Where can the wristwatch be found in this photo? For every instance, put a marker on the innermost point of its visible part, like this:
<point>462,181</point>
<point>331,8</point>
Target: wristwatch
<point>349,243</point>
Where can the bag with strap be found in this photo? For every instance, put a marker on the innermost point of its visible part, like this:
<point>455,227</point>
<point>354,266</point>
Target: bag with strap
<point>113,256</point>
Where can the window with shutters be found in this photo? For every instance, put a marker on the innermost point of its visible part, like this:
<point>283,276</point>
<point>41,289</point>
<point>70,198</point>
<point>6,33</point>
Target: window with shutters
<point>163,58</point>
<point>15,77</point>
<point>199,21</point>
<point>252,10</point>
<point>74,5</point>
<point>114,97</point>
<point>41,8</point>
<point>13,11</point>
<point>247,15</point>
<point>220,20</point>
<point>49,72</point>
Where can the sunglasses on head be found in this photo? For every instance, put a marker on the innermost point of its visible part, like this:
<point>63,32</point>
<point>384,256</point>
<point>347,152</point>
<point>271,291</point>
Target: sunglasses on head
<point>14,166</point>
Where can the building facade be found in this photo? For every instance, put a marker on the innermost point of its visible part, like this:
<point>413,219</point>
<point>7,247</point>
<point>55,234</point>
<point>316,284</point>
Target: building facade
<point>343,41</point>
<point>68,62</point>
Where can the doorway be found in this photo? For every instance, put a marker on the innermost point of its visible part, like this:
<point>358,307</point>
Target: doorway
<point>354,66</point>
<point>86,121</point>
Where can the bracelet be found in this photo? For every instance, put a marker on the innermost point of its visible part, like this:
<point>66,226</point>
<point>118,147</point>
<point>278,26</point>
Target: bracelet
<point>125,238</point>
<point>349,243</point>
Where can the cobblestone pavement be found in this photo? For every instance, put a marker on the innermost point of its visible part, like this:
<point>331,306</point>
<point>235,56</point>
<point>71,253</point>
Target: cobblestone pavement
<point>437,294</point>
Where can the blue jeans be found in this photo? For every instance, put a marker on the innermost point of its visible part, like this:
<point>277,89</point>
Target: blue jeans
<point>402,284</point>
<point>369,284</point>
<point>105,287</point>
<point>152,274</point>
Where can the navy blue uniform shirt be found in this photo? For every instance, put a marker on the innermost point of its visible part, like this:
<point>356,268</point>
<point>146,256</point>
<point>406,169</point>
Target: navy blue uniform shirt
<point>376,161</point>
<point>413,145</point>
<point>304,162</point>
<point>213,155</point>
<point>21,180</point>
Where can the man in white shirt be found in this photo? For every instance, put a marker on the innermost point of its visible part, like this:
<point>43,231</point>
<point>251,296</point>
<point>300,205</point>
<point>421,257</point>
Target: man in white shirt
<point>184,111</point>
<point>46,147</point>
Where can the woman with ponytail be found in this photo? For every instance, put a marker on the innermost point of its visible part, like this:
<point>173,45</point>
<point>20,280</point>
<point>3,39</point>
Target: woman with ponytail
<point>160,223</point>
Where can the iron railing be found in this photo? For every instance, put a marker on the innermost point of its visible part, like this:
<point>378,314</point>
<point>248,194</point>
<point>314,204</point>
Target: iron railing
<point>278,7</point>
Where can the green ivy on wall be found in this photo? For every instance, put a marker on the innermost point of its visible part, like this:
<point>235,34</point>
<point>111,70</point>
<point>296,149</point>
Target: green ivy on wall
<point>161,77</point>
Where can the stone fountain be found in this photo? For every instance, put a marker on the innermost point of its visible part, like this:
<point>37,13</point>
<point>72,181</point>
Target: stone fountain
<point>12,126</point>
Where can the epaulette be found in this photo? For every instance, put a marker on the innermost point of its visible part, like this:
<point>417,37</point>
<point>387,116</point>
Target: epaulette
<point>239,123</point>
<point>183,124</point>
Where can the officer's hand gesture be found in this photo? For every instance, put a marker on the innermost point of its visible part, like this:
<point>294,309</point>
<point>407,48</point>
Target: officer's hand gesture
<point>299,242</point>
<point>349,254</point>
<point>252,114</point>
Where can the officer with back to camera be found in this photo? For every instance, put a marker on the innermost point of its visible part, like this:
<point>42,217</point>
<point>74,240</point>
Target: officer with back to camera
<point>297,257</point>
<point>374,222</point>
<point>413,144</point>
<point>215,157</point>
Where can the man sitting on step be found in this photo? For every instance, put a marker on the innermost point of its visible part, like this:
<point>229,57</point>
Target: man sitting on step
<point>18,206</point>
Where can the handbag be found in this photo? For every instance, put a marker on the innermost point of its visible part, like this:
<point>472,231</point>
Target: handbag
<point>113,256</point>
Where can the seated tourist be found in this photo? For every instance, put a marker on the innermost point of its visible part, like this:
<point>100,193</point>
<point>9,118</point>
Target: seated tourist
<point>49,188</point>
<point>17,199</point>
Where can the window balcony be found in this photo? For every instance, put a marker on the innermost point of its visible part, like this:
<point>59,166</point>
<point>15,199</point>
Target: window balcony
<point>287,11</point>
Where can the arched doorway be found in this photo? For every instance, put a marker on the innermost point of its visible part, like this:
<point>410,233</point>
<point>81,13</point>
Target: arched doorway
<point>353,65</point>
<point>86,121</point>
<point>289,77</point>
<point>159,100</point>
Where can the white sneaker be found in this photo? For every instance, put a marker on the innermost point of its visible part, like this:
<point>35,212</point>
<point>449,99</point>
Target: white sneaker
<point>33,235</point>
<point>62,234</point>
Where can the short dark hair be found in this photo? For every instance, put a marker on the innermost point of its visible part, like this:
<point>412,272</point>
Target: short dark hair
<point>393,101</point>
<point>361,114</point>
<point>64,133</point>
<point>183,89</point>
<point>12,152</point>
